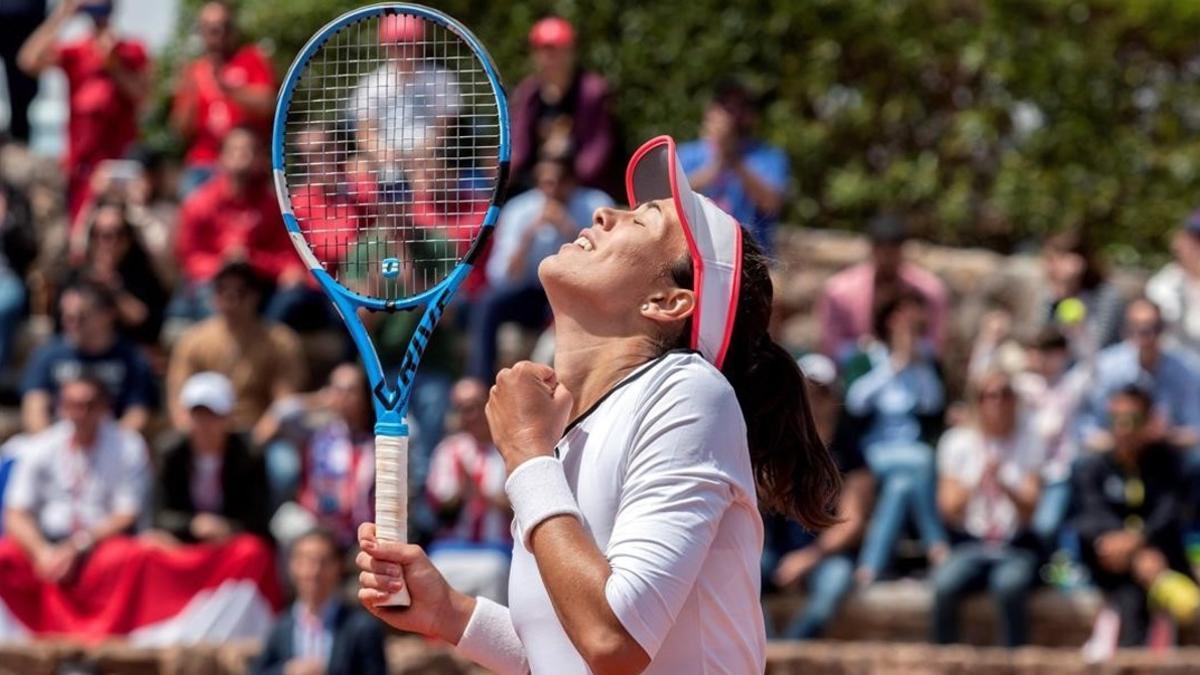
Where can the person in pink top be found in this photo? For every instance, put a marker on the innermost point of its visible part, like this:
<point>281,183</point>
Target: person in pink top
<point>845,307</point>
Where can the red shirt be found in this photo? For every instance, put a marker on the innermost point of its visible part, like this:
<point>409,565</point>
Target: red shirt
<point>215,224</point>
<point>330,222</point>
<point>215,111</point>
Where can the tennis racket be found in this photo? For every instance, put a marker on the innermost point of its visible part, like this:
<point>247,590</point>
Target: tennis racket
<point>390,153</point>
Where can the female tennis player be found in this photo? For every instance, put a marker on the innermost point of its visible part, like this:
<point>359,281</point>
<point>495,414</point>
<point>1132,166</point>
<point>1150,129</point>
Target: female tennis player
<point>637,463</point>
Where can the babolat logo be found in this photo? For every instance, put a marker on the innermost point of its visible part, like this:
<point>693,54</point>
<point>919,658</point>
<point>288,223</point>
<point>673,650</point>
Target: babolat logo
<point>420,339</point>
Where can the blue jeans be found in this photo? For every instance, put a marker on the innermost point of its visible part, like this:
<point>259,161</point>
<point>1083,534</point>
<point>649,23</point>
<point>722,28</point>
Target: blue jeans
<point>1051,513</point>
<point>1007,572</point>
<point>12,307</point>
<point>908,483</point>
<point>524,303</point>
<point>828,584</point>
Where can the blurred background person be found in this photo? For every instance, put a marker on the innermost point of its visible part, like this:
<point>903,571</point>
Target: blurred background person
<point>473,549</point>
<point>848,298</point>
<point>1129,519</point>
<point>230,85</point>
<point>320,634</point>
<point>18,248</point>
<point>88,345</point>
<point>76,484</point>
<point>107,76</point>
<point>116,259</point>
<point>822,564</point>
<point>264,360</point>
<point>988,488</point>
<point>563,110</point>
<point>898,405</point>
<point>744,176</point>
<point>18,20</point>
<point>532,226</point>
<point>1077,276</point>
<point>211,485</point>
<point>1176,287</point>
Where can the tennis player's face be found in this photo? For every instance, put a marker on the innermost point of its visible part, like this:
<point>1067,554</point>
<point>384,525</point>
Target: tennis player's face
<point>618,262</point>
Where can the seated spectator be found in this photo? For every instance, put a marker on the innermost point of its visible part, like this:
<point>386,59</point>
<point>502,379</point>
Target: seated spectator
<point>532,225</point>
<point>1144,359</point>
<point>229,85</point>
<point>988,488</point>
<point>234,217</point>
<point>107,78</point>
<point>88,346</point>
<point>75,484</point>
<point>117,260</point>
<point>1176,287</point>
<point>466,486</point>
<point>562,110</point>
<point>18,248</point>
<point>1129,520</point>
<point>321,634</point>
<point>263,359</point>
<point>846,302</point>
<point>824,563</point>
<point>745,176</point>
<point>333,476</point>
<point>210,485</point>
<point>1079,292</point>
<point>898,405</point>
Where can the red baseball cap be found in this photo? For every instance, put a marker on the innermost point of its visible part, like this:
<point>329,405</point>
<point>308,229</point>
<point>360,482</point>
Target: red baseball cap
<point>400,28</point>
<point>552,31</point>
<point>714,240</point>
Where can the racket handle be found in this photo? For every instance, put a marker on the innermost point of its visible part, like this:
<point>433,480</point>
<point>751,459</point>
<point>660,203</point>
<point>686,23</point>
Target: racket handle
<point>391,498</point>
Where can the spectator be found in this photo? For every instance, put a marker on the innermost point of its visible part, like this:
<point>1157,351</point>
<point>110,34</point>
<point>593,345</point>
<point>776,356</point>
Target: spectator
<point>117,261</point>
<point>466,487</point>
<point>320,634</point>
<point>18,20</point>
<point>1176,287</point>
<point>75,484</point>
<point>210,485</point>
<point>1079,292</point>
<point>233,217</point>
<point>107,76</point>
<point>229,85</point>
<point>1169,374</point>
<point>264,360</point>
<point>532,226</point>
<point>823,563</point>
<point>1129,519</point>
<point>846,302</point>
<point>335,472</point>
<point>744,176</point>
<point>88,346</point>
<point>898,405</point>
<point>988,488</point>
<point>18,248</point>
<point>561,110</point>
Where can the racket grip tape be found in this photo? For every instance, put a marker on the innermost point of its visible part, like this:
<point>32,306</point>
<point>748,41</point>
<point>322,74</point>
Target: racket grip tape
<point>391,498</point>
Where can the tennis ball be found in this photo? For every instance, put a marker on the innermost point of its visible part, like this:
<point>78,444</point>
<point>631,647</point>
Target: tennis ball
<point>1070,312</point>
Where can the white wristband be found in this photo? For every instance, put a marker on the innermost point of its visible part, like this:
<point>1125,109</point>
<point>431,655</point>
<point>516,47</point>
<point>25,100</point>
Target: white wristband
<point>538,490</point>
<point>491,641</point>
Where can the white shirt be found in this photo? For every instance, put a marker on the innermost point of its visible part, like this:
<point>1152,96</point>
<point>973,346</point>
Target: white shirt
<point>68,488</point>
<point>406,108</point>
<point>963,454</point>
<point>661,472</point>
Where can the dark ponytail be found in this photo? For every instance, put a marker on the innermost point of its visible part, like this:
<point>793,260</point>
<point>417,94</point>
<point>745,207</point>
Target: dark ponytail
<point>794,472</point>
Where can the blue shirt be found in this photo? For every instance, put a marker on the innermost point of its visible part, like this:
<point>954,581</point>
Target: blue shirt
<point>122,368</point>
<point>522,213</point>
<point>1174,384</point>
<point>767,162</point>
<point>895,400</point>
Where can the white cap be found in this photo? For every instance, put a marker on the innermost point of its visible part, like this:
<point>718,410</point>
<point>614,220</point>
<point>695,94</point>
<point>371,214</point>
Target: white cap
<point>208,390</point>
<point>714,239</point>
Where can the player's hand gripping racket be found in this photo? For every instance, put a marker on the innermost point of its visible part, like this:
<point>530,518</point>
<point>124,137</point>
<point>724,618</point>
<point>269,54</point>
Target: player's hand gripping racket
<point>390,152</point>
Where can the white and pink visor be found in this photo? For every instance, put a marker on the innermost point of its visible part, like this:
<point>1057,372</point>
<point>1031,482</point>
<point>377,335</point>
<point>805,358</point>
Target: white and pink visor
<point>714,239</point>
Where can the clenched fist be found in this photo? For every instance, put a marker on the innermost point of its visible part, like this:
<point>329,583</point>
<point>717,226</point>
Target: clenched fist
<point>527,411</point>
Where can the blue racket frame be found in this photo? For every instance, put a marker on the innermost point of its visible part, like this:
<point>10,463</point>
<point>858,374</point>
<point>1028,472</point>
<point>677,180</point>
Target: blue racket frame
<point>390,398</point>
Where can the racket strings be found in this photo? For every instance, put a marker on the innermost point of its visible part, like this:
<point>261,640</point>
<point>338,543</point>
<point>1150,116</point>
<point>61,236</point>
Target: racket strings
<point>393,140</point>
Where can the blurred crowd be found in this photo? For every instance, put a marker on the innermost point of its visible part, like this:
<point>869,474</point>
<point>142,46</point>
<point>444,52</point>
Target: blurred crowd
<point>195,387</point>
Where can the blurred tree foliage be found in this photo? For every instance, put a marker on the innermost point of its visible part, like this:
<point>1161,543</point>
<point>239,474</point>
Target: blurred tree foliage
<point>991,121</point>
